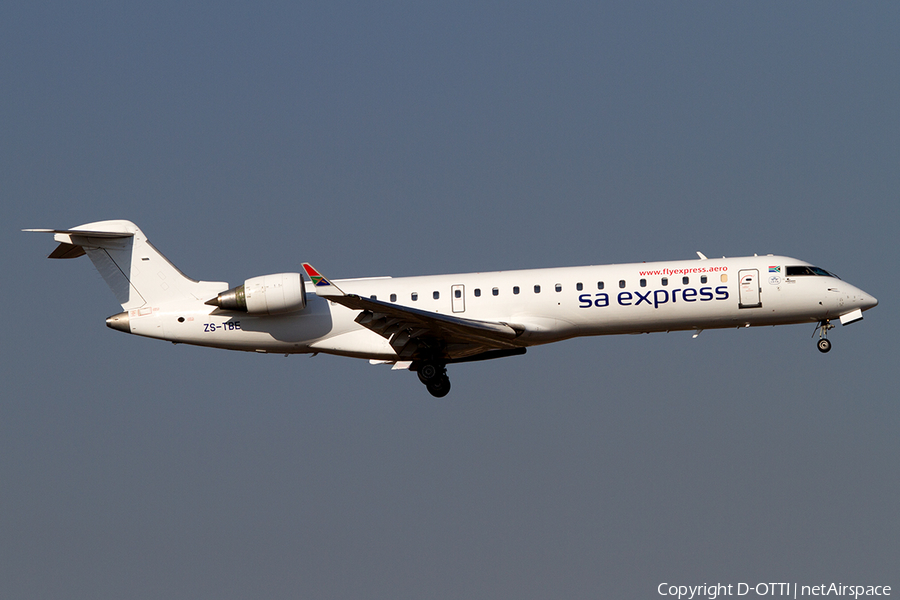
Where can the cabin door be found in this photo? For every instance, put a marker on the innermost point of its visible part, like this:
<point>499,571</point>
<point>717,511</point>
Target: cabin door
<point>749,288</point>
<point>458,298</point>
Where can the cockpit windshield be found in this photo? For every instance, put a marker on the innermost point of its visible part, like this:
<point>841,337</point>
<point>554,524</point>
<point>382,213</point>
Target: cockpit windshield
<point>804,270</point>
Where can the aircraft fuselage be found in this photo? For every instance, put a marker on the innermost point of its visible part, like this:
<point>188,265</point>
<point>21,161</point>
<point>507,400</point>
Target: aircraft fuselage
<point>548,305</point>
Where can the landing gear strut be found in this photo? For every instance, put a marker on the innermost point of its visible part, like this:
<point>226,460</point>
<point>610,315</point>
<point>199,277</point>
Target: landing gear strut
<point>434,376</point>
<point>824,345</point>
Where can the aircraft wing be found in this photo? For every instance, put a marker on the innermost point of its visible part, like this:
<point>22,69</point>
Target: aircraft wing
<point>411,330</point>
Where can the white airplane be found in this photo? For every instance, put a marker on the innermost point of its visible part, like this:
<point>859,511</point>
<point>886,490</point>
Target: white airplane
<point>425,323</point>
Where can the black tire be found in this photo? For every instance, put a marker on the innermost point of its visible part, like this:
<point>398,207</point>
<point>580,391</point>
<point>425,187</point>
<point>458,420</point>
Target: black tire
<point>824,345</point>
<point>439,388</point>
<point>429,372</point>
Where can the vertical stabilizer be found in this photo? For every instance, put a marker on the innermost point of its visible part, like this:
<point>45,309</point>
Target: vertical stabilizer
<point>137,273</point>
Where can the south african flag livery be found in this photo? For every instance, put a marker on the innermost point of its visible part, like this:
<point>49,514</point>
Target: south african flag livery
<point>774,269</point>
<point>317,279</point>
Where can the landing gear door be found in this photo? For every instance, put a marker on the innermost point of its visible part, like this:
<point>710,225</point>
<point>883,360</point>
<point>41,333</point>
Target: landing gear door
<point>749,288</point>
<point>458,297</point>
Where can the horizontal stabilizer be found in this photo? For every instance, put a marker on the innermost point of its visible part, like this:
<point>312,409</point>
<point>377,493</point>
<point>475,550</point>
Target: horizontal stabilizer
<point>85,233</point>
<point>73,248</point>
<point>137,273</point>
<point>65,250</point>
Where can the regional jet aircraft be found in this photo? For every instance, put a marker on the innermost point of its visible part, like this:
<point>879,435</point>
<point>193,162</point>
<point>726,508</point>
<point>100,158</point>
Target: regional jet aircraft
<point>425,323</point>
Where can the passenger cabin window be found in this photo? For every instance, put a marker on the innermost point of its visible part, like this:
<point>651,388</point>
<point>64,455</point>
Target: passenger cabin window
<point>495,291</point>
<point>643,283</point>
<point>703,279</point>
<point>457,293</point>
<point>579,286</point>
<point>393,297</point>
<point>724,277</point>
<point>373,297</point>
<point>537,289</point>
<point>599,285</point>
<point>621,283</point>
<point>685,280</point>
<point>558,287</point>
<point>436,295</point>
<point>665,281</point>
<point>515,289</point>
<point>477,292</point>
<point>414,296</point>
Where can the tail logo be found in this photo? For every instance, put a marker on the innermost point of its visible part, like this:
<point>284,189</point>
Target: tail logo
<point>317,279</point>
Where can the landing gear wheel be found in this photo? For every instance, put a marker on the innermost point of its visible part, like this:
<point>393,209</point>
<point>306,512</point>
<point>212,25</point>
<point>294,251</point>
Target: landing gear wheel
<point>429,372</point>
<point>433,373</point>
<point>439,387</point>
<point>822,328</point>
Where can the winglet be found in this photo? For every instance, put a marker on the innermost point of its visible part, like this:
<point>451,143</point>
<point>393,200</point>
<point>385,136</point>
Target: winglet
<point>323,285</point>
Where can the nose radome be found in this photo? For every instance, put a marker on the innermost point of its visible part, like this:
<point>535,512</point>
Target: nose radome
<point>869,301</point>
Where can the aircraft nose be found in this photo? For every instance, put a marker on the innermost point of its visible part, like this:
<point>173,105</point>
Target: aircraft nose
<point>869,301</point>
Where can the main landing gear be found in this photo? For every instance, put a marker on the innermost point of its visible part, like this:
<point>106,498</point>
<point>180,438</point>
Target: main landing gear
<point>434,376</point>
<point>824,345</point>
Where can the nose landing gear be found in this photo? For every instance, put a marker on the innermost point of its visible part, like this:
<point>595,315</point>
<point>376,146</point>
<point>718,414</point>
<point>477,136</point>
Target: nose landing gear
<point>434,376</point>
<point>824,345</point>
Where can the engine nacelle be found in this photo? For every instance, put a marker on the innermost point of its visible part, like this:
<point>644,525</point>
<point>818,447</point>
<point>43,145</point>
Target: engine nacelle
<point>265,295</point>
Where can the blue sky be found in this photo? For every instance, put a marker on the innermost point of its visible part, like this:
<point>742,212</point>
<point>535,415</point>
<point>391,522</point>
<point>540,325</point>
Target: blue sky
<point>406,139</point>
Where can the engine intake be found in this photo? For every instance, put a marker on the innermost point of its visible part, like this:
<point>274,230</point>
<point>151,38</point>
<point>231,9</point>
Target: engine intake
<point>265,295</point>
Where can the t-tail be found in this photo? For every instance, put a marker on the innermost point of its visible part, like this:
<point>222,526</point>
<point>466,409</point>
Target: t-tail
<point>141,278</point>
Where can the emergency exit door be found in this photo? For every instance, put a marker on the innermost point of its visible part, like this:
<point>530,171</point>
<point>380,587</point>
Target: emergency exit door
<point>458,298</point>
